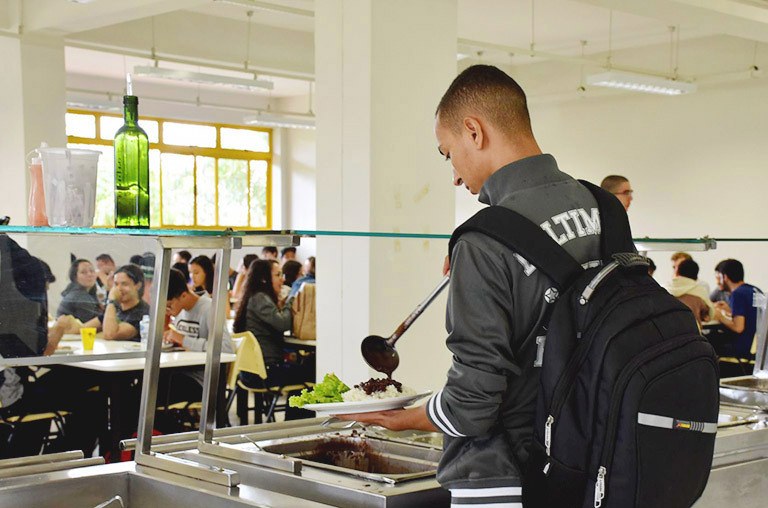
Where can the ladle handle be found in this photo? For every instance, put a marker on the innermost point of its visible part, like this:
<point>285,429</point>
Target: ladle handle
<point>417,312</point>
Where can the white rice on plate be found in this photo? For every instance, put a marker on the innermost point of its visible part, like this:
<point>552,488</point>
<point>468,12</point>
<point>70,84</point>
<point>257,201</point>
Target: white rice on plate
<point>358,395</point>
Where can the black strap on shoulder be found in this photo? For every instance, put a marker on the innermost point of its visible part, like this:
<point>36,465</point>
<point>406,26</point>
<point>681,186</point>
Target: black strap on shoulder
<point>526,239</point>
<point>615,233</point>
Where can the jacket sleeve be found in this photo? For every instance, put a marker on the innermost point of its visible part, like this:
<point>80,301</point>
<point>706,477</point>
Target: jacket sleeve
<point>480,338</point>
<point>262,308</point>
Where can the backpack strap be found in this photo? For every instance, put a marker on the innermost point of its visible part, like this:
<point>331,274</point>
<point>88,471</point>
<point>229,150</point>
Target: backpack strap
<point>525,238</point>
<point>615,233</point>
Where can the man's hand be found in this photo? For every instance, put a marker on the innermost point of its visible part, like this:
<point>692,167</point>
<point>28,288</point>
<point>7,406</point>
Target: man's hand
<point>395,419</point>
<point>447,265</point>
<point>173,338</point>
<point>114,294</point>
<point>107,279</point>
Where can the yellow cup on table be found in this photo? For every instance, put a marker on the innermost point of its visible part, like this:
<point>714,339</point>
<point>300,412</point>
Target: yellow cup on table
<point>88,335</point>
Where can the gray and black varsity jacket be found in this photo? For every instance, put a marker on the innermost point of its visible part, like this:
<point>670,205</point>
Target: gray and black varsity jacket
<point>495,309</point>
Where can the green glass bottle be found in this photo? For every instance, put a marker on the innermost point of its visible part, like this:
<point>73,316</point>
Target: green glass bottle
<point>131,169</point>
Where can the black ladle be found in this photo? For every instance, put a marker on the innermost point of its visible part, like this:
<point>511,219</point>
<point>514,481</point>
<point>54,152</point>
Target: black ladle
<point>380,353</point>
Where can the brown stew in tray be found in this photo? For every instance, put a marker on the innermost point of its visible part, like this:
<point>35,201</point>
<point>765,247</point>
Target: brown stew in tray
<point>356,454</point>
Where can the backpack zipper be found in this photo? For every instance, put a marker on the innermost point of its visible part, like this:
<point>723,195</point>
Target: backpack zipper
<point>606,459</point>
<point>563,388</point>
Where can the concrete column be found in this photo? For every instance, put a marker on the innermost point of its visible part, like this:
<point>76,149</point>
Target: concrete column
<point>381,67</point>
<point>32,106</point>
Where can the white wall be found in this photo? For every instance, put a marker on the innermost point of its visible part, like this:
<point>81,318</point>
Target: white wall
<point>697,164</point>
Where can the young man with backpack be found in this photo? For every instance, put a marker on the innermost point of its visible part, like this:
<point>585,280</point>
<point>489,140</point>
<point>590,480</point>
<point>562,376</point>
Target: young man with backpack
<point>509,265</point>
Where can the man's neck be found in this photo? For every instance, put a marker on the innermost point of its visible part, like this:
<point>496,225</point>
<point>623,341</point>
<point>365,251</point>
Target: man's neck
<point>514,152</point>
<point>192,301</point>
<point>732,286</point>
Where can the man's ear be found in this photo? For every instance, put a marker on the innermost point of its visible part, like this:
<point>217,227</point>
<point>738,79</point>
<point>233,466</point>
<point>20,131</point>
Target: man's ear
<point>474,129</point>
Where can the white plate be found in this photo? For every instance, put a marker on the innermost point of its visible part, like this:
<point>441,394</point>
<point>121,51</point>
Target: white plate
<point>71,337</point>
<point>365,406</point>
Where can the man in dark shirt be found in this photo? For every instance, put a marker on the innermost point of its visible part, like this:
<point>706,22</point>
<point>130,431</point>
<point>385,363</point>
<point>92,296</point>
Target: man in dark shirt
<point>738,315</point>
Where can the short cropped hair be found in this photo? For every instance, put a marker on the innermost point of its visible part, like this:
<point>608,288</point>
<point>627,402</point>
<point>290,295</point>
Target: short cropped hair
<point>612,182</point>
<point>177,284</point>
<point>105,258</point>
<point>680,255</point>
<point>287,249</point>
<point>185,255</point>
<point>487,91</point>
<point>731,268</point>
<point>688,268</point>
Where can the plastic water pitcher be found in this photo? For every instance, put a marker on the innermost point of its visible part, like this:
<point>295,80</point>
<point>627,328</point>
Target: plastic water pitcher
<point>36,209</point>
<point>70,176</point>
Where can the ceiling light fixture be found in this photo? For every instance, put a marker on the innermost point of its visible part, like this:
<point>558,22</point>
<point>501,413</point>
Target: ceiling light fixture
<point>202,78</point>
<point>640,83</point>
<point>269,119</point>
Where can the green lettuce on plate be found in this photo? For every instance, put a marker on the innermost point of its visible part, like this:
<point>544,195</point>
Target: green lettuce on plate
<point>329,390</point>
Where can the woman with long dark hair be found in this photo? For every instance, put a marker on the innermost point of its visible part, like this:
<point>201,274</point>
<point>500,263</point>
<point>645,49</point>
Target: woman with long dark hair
<point>79,297</point>
<point>201,273</point>
<point>260,311</point>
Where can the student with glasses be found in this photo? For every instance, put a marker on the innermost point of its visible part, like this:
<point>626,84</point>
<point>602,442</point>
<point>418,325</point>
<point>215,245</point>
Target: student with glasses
<point>620,187</point>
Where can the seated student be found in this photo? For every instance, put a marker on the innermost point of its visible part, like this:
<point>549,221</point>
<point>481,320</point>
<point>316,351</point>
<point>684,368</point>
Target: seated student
<point>242,275</point>
<point>105,270</point>
<point>183,268</point>
<point>721,292</point>
<point>191,315</point>
<point>291,270</point>
<point>124,309</point>
<point>738,315</point>
<point>308,276</point>
<point>80,298</point>
<point>679,257</point>
<point>201,273</point>
<point>287,254</point>
<point>23,332</point>
<point>260,311</point>
<point>269,253</point>
<point>685,287</point>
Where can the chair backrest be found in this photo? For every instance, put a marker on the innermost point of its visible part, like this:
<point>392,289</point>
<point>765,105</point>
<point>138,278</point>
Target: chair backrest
<point>304,318</point>
<point>249,358</point>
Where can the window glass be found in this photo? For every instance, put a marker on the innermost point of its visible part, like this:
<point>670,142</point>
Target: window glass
<point>151,128</point>
<point>154,188</point>
<point>108,126</point>
<point>206,191</point>
<point>178,189</point>
<point>187,134</point>
<point>80,125</point>
<point>258,193</point>
<point>233,192</point>
<point>244,139</point>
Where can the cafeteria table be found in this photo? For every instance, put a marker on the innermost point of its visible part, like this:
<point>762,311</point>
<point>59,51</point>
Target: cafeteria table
<point>115,375</point>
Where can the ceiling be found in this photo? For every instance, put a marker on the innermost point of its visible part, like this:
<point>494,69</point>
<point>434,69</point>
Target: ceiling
<point>106,37</point>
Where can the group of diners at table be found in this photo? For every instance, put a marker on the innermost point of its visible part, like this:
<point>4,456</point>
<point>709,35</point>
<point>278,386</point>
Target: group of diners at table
<point>115,300</point>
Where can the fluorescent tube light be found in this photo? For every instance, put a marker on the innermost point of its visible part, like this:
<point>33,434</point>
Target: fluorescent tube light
<point>640,83</point>
<point>280,120</point>
<point>672,245</point>
<point>201,78</point>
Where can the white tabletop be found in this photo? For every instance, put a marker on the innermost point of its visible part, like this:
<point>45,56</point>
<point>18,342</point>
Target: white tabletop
<point>167,359</point>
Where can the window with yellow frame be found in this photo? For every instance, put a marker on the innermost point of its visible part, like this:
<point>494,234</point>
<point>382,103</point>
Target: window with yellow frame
<point>201,175</point>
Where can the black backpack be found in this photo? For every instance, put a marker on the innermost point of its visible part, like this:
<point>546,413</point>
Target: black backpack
<point>628,400</point>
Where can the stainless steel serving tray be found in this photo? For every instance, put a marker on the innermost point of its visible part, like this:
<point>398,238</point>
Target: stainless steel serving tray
<point>356,454</point>
<point>746,391</point>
